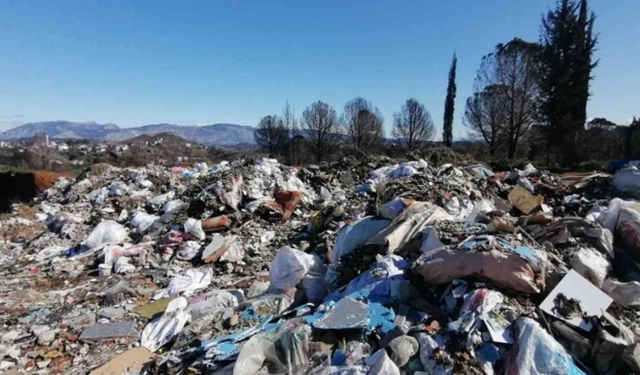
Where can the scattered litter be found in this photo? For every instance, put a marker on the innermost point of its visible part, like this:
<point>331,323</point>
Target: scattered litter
<point>378,266</point>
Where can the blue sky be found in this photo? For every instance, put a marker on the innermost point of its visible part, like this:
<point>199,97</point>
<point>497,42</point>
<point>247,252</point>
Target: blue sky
<point>141,62</point>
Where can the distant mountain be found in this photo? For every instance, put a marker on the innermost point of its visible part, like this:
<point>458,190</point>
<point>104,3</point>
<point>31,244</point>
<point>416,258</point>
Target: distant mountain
<point>214,134</point>
<point>61,129</point>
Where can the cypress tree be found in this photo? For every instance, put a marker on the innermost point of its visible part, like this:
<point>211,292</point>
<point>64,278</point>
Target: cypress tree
<point>447,129</point>
<point>566,64</point>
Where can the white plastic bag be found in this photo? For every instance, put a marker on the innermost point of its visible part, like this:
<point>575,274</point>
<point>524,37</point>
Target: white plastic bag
<point>381,364</point>
<point>592,265</point>
<point>49,252</point>
<point>188,250</point>
<point>122,265</point>
<point>404,347</point>
<point>628,229</point>
<point>213,301</point>
<point>171,206</point>
<point>159,200</point>
<point>628,180</point>
<point>313,283</point>
<point>257,288</point>
<point>194,227</point>
<point>258,350</point>
<point>186,284</point>
<point>142,221</point>
<point>625,294</point>
<point>159,332</point>
<point>289,268</point>
<point>608,216</point>
<point>107,232</point>
<point>483,206</point>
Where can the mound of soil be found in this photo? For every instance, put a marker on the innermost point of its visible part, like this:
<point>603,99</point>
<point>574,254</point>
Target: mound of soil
<point>23,187</point>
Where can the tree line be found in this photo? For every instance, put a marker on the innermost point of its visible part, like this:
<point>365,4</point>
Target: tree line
<point>529,101</point>
<point>320,131</point>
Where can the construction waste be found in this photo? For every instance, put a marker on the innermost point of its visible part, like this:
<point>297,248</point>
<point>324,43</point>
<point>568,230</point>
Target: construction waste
<point>375,267</point>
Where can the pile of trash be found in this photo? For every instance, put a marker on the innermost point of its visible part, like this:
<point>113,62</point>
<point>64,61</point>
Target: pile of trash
<point>254,267</point>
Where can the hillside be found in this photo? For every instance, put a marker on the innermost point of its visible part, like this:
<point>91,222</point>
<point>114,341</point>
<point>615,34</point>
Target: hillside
<point>214,134</point>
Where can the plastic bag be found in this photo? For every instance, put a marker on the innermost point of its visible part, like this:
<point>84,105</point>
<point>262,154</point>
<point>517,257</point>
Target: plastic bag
<point>404,347</point>
<point>592,265</point>
<point>50,252</point>
<point>289,268</point>
<point>480,171</point>
<point>283,351</point>
<point>186,284</point>
<point>313,283</point>
<point>428,347</point>
<point>294,344</point>
<point>381,364</point>
<point>356,352</point>
<point>159,200</point>
<point>537,352</point>
<point>604,238</point>
<point>481,207</point>
<point>608,216</point>
<point>254,354</point>
<point>213,301</point>
<point>257,288</point>
<point>159,332</point>
<point>122,265</point>
<point>188,250</point>
<point>107,232</point>
<point>625,294</point>
<point>142,221</point>
<point>194,227</point>
<point>355,235</point>
<point>528,170</point>
<point>629,229</point>
<point>171,206</point>
<point>460,209</point>
<point>628,180</point>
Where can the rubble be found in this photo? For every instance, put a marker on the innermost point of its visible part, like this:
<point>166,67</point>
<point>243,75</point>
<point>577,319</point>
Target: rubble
<point>436,265</point>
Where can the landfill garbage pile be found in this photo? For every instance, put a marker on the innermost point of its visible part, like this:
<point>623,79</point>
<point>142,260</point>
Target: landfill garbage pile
<point>253,267</point>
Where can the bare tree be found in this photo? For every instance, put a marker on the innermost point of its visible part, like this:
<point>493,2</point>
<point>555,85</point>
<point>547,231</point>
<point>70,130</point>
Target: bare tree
<point>413,125</point>
<point>271,135</point>
<point>320,124</point>
<point>293,146</point>
<point>512,68</point>
<point>363,124</point>
<point>289,118</point>
<point>484,115</point>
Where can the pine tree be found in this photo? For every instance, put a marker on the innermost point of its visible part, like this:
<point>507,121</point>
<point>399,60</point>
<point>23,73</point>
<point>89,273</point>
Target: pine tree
<point>447,129</point>
<point>566,64</point>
